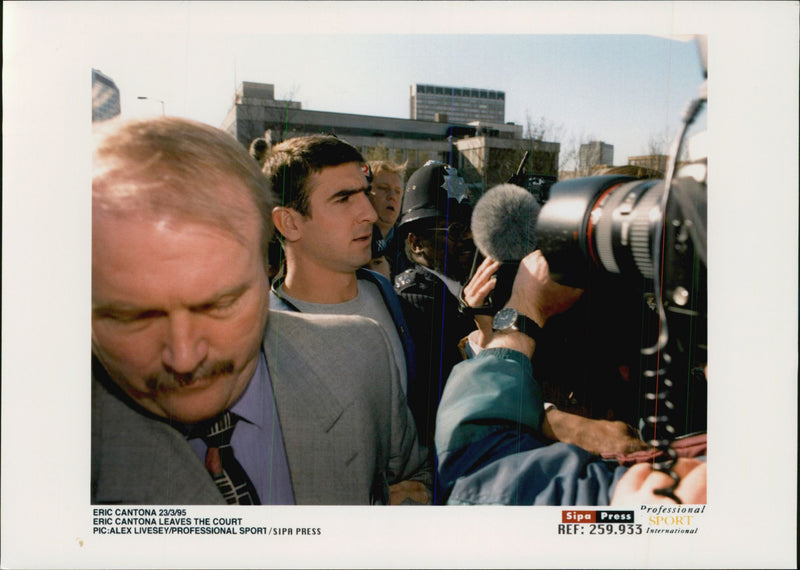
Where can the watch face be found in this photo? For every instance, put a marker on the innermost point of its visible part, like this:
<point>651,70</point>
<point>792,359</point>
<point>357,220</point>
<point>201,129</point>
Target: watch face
<point>504,319</point>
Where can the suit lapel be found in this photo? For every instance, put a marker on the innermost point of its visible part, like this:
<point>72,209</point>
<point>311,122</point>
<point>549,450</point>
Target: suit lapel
<point>310,410</point>
<point>141,460</point>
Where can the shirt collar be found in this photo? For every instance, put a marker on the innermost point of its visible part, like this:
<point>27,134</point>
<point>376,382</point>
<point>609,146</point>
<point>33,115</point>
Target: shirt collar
<point>249,405</point>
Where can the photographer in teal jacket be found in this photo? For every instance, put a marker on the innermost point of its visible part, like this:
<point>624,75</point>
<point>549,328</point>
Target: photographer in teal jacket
<point>488,438</point>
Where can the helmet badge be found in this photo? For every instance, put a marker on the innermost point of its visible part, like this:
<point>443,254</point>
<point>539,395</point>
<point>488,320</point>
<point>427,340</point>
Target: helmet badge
<point>455,185</point>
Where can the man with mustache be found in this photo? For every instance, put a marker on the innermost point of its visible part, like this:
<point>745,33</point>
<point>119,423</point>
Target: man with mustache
<point>324,219</point>
<point>186,350</point>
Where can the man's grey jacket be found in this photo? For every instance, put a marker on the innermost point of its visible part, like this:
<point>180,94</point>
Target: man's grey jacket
<point>346,426</point>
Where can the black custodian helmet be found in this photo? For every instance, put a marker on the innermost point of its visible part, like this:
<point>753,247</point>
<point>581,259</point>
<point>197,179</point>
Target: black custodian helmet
<point>428,191</point>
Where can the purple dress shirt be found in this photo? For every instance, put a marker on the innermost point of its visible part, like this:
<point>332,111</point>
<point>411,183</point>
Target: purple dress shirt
<point>258,441</point>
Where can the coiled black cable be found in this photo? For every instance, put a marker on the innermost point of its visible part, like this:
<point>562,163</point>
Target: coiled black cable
<point>656,369</point>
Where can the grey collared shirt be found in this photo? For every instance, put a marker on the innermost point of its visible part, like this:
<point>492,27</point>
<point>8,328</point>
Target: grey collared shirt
<point>258,441</point>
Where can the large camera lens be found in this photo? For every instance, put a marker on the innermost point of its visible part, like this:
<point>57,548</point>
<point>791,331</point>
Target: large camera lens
<point>600,224</point>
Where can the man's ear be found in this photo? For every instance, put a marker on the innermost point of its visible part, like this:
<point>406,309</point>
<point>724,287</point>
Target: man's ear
<point>415,242</point>
<point>287,222</point>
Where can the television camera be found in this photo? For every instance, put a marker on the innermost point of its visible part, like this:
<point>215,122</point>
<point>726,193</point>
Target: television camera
<point>625,235</point>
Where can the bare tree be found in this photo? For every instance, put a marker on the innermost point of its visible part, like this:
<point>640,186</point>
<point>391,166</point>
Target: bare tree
<point>658,144</point>
<point>661,144</point>
<point>569,158</point>
<point>543,129</point>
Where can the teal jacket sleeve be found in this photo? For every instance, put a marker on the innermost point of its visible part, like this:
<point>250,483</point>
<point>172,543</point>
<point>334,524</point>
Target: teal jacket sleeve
<point>489,447</point>
<point>495,387</point>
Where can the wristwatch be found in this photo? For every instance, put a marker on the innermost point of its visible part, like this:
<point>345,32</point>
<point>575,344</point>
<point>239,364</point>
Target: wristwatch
<point>508,319</point>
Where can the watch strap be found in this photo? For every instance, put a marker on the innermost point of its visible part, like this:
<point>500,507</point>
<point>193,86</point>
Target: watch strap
<point>521,323</point>
<point>528,326</point>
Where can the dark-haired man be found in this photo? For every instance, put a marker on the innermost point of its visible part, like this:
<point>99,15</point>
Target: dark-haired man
<point>325,221</point>
<point>200,393</point>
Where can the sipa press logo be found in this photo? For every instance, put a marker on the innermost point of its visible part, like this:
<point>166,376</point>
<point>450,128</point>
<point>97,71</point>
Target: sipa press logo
<point>601,523</point>
<point>596,516</point>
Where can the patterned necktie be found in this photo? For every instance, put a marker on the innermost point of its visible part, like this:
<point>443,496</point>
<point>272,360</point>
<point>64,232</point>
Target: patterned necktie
<point>227,472</point>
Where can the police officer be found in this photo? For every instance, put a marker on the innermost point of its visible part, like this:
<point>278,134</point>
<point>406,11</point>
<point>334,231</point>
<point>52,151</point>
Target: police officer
<point>435,231</point>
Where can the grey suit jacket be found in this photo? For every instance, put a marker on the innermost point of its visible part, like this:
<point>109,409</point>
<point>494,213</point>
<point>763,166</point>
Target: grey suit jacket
<point>346,426</point>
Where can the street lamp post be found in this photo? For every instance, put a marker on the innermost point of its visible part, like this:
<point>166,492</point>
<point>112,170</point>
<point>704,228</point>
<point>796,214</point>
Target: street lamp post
<point>151,99</point>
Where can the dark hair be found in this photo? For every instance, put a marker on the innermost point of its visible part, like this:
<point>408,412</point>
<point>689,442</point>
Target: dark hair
<point>291,162</point>
<point>258,150</point>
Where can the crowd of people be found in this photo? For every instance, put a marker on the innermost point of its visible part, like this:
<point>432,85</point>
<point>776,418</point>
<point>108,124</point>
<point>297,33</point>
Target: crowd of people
<point>292,326</point>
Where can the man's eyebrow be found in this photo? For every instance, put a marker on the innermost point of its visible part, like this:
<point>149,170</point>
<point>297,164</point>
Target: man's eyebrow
<point>113,308</point>
<point>126,309</point>
<point>234,292</point>
<point>348,192</point>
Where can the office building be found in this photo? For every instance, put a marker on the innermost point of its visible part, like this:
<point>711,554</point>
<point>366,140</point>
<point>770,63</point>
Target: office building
<point>650,161</point>
<point>105,97</point>
<point>255,112</point>
<point>456,104</point>
<point>486,153</point>
<point>494,153</point>
<point>595,153</point>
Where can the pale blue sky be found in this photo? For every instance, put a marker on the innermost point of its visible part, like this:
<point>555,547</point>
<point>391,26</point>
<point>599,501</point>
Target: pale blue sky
<point>622,89</point>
